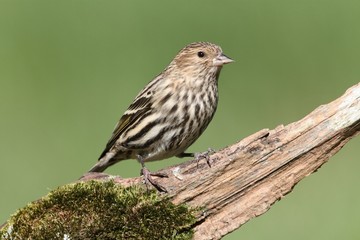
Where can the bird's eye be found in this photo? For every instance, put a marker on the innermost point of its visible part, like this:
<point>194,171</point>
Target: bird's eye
<point>201,54</point>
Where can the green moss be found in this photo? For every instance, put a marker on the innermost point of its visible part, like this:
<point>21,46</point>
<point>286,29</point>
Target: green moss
<point>101,210</point>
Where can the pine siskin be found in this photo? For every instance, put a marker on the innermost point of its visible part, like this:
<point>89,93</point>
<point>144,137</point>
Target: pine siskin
<point>171,112</point>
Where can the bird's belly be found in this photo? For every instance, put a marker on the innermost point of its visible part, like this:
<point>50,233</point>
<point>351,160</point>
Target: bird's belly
<point>178,139</point>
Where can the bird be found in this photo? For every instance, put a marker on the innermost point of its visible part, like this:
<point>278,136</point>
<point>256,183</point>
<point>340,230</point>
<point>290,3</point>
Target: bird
<point>170,113</point>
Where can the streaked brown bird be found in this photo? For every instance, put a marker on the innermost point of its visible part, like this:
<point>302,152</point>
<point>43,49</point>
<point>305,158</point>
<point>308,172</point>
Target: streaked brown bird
<point>171,112</point>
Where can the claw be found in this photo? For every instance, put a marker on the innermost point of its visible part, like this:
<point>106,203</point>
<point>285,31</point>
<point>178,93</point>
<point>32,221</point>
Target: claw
<point>149,181</point>
<point>159,174</point>
<point>206,155</point>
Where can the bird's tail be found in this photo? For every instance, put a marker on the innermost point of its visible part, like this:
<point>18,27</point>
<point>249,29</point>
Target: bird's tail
<point>104,162</point>
<point>99,167</point>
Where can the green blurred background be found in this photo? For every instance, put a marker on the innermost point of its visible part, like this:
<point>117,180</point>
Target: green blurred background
<point>69,69</point>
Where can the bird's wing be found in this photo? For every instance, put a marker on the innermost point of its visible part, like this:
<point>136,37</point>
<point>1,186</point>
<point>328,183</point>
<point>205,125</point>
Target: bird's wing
<point>138,108</point>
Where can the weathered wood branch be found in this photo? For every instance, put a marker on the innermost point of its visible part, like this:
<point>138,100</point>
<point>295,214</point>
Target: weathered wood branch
<point>246,178</point>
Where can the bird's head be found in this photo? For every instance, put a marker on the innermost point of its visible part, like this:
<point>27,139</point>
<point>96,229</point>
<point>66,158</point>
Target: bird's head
<point>200,57</point>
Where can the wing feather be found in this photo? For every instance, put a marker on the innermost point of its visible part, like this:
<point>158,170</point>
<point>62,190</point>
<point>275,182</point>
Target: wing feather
<point>135,110</point>
<point>141,105</point>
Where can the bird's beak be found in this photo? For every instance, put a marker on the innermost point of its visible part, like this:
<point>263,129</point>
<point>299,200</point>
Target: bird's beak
<point>221,60</point>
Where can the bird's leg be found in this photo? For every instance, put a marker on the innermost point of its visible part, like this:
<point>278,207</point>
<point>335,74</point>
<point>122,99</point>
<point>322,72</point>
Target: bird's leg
<point>147,176</point>
<point>198,156</point>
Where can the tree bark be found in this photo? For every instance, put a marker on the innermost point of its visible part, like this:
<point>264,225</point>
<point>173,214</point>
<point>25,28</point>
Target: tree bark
<point>246,178</point>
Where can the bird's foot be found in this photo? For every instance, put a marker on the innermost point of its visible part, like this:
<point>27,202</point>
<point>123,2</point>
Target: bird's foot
<point>149,181</point>
<point>206,155</point>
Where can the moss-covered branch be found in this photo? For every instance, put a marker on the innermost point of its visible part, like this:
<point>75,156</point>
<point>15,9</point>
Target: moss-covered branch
<point>244,179</point>
<point>101,210</point>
